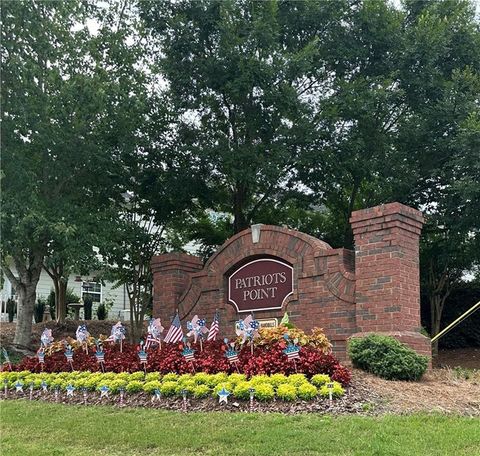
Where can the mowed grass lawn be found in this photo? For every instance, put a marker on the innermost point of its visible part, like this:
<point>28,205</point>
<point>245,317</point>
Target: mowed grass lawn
<point>41,428</point>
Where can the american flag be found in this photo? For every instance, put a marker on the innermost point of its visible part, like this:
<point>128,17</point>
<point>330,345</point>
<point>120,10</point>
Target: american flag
<point>143,356</point>
<point>175,333</point>
<point>214,328</point>
<point>69,354</point>
<point>100,356</point>
<point>232,356</point>
<point>292,352</point>
<point>41,356</point>
<point>188,354</point>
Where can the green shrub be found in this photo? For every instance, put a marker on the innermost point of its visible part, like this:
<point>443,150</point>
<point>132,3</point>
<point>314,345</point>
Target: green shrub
<point>287,392</point>
<point>320,379</point>
<point>297,379</point>
<point>11,308</point>
<point>259,379</point>
<point>150,387</point>
<point>188,385</point>
<point>116,384</point>
<point>217,378</point>
<point>307,392</point>
<point>38,309</point>
<point>278,379</point>
<point>87,307</point>
<point>241,390</point>
<point>170,377</point>
<point>168,388</point>
<point>201,391</point>
<point>102,312</point>
<point>185,378</point>
<point>236,378</point>
<point>337,390</point>
<point>386,357</point>
<point>134,386</point>
<point>152,377</point>
<point>264,392</point>
<point>201,378</point>
<point>139,376</point>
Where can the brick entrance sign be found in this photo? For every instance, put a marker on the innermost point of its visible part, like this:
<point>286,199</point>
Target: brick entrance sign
<point>274,269</point>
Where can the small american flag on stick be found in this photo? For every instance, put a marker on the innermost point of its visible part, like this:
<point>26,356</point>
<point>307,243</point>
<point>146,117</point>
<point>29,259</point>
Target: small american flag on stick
<point>175,333</point>
<point>292,351</point>
<point>214,328</point>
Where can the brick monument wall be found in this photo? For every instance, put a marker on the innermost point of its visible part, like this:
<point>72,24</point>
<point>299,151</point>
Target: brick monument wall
<point>374,289</point>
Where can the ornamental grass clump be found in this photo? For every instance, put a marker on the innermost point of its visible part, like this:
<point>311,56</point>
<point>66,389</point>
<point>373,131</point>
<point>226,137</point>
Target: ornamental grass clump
<point>386,357</point>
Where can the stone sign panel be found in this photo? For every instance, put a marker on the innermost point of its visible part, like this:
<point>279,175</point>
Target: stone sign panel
<point>261,284</point>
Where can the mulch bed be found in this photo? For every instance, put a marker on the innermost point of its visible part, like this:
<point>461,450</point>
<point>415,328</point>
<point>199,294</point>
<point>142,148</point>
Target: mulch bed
<point>351,403</point>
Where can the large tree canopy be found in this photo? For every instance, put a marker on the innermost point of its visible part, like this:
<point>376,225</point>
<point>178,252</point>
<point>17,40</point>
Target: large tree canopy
<point>70,103</point>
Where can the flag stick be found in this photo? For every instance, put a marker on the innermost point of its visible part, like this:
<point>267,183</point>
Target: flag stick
<point>201,344</point>
<point>121,346</point>
<point>295,364</point>
<point>193,367</point>
<point>71,365</point>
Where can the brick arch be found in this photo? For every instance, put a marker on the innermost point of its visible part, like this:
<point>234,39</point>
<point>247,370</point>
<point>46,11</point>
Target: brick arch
<point>308,255</point>
<point>274,240</point>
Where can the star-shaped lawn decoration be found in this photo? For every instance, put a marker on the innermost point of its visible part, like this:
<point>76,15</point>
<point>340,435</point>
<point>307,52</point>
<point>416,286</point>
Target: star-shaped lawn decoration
<point>70,389</point>
<point>104,391</point>
<point>18,386</point>
<point>44,385</point>
<point>223,396</point>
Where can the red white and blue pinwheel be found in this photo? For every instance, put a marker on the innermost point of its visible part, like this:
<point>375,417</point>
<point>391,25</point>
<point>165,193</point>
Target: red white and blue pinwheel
<point>198,329</point>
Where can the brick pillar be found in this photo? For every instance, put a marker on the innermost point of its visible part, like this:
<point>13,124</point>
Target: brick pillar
<point>387,273</point>
<point>171,272</point>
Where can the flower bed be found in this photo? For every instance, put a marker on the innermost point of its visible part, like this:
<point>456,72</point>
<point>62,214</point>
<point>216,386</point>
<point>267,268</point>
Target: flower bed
<point>267,359</point>
<point>199,386</point>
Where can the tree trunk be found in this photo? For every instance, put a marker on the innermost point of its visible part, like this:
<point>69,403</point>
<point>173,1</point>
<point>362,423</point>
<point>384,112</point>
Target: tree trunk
<point>26,286</point>
<point>240,221</point>
<point>61,301</point>
<point>26,302</point>
<point>436,318</point>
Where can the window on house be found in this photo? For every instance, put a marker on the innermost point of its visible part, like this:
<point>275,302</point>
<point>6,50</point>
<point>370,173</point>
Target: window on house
<point>92,290</point>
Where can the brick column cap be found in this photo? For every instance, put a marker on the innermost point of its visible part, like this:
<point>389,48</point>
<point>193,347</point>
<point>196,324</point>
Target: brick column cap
<point>385,216</point>
<point>176,260</point>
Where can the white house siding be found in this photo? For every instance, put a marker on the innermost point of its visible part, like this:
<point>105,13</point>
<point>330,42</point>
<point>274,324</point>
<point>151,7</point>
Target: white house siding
<point>108,293</point>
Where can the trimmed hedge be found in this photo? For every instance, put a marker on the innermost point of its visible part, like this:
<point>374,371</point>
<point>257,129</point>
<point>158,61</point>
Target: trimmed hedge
<point>386,357</point>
